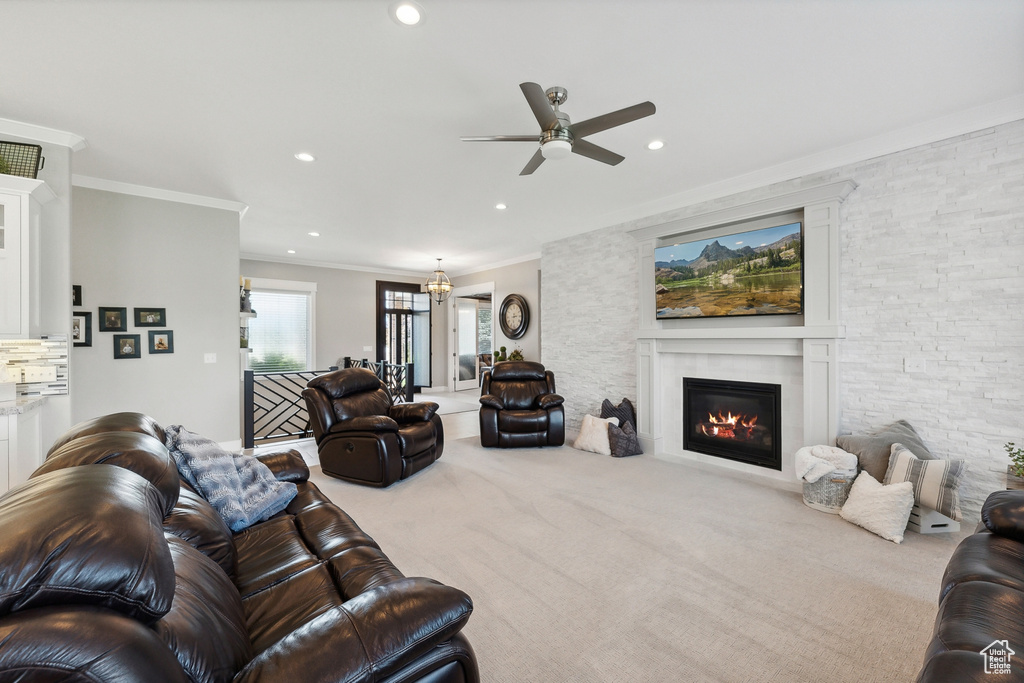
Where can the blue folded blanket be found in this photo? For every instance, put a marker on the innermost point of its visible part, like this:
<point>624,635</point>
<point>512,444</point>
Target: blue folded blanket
<point>240,487</point>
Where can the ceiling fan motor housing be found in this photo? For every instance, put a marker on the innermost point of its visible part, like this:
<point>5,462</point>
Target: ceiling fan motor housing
<point>556,144</point>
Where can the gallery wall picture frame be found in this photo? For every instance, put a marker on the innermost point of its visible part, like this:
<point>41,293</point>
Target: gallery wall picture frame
<point>113,319</point>
<point>127,346</point>
<point>76,295</point>
<point>81,328</point>
<point>161,341</point>
<point>150,317</point>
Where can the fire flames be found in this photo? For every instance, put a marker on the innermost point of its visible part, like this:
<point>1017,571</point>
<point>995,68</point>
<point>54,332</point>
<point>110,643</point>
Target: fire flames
<point>729,426</point>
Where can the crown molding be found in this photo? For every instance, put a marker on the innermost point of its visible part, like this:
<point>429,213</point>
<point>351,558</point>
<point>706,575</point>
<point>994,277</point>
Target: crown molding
<point>38,189</point>
<point>500,264</point>
<point>30,131</point>
<point>157,193</point>
<point>943,128</point>
<point>385,271</point>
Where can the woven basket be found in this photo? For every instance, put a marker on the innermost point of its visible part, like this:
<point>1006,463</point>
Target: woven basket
<point>18,158</point>
<point>829,493</point>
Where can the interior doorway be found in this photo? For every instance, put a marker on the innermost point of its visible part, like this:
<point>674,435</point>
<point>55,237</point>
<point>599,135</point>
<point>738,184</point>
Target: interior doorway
<point>472,339</point>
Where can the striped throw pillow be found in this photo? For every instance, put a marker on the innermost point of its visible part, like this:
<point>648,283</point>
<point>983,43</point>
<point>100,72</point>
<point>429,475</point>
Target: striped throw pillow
<point>936,482</point>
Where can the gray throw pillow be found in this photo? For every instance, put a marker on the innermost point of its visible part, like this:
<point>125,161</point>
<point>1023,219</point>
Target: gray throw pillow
<point>623,441</point>
<point>624,411</point>
<point>873,450</point>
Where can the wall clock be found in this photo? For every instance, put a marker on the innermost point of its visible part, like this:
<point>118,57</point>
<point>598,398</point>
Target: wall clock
<point>514,316</point>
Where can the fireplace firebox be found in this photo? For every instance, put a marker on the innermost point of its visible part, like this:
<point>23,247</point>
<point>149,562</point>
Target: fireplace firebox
<point>736,420</point>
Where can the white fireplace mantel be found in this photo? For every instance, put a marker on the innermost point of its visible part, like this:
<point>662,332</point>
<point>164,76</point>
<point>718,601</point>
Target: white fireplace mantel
<point>808,341</point>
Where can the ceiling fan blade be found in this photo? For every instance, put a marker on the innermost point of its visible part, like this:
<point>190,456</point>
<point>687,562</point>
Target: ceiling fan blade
<point>500,138</point>
<point>592,151</point>
<point>536,160</point>
<point>540,105</point>
<point>616,118</point>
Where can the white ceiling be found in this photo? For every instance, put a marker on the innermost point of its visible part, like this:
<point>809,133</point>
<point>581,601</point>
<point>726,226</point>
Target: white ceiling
<point>215,97</point>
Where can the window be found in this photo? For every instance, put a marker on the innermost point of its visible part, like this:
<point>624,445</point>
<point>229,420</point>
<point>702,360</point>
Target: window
<point>281,334</point>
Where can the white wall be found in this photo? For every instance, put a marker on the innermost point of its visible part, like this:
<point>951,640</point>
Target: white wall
<point>130,251</point>
<point>932,243</point>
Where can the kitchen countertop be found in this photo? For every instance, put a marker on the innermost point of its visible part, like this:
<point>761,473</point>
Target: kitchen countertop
<point>21,405</point>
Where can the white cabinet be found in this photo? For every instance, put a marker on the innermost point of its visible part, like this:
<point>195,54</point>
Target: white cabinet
<point>20,201</point>
<point>21,449</point>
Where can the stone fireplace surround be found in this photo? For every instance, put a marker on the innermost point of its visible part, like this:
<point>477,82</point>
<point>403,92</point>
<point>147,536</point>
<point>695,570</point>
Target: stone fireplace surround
<point>796,352</point>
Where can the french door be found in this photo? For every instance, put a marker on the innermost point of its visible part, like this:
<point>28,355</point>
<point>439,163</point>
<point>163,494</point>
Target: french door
<point>403,328</point>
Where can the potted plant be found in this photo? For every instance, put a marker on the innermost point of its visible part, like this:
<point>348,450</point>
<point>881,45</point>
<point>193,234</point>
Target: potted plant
<point>1015,470</point>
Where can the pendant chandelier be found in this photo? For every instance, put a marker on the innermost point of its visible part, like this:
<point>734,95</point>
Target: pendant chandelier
<point>438,286</point>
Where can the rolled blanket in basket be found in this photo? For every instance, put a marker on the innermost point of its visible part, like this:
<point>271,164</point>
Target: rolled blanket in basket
<point>814,462</point>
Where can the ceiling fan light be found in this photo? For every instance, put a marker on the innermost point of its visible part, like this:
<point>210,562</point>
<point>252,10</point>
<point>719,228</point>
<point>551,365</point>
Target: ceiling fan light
<point>556,149</point>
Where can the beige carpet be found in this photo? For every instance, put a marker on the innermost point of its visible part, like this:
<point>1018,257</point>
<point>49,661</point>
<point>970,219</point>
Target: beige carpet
<point>453,402</point>
<point>588,568</point>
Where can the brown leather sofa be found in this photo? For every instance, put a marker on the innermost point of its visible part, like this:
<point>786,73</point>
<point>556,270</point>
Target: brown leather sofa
<point>519,407</point>
<point>364,439</point>
<point>112,569</point>
<point>982,598</point>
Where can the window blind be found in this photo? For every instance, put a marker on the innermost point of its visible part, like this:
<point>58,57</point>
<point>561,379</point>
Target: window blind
<point>279,334</point>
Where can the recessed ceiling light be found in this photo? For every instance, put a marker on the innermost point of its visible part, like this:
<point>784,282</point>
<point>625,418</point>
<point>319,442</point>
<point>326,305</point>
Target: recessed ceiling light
<point>291,251</point>
<point>305,156</point>
<point>406,13</point>
<point>313,234</point>
<point>655,144</point>
<point>500,207</point>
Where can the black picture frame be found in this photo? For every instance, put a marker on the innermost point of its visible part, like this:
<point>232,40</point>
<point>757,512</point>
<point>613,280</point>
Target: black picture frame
<point>161,341</point>
<point>81,328</point>
<point>76,295</point>
<point>150,317</point>
<point>515,331</point>
<point>113,319</point>
<point>127,346</point>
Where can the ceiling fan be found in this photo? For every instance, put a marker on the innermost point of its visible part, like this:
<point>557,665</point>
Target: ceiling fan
<point>558,135</point>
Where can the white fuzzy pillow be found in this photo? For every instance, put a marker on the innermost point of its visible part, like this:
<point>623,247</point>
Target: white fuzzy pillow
<point>883,510</point>
<point>594,435</point>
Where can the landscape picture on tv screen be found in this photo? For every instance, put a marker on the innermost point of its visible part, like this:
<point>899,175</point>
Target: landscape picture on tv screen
<point>759,272</point>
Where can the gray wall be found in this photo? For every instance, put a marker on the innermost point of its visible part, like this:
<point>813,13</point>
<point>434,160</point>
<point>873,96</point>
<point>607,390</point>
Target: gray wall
<point>932,243</point>
<point>519,278</point>
<point>346,310</point>
<point>137,252</point>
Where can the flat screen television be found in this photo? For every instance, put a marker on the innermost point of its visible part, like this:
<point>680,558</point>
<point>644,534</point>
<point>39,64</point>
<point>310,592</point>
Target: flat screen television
<point>757,272</point>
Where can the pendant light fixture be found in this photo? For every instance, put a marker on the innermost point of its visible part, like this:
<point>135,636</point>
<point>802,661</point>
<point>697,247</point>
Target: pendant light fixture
<point>438,286</point>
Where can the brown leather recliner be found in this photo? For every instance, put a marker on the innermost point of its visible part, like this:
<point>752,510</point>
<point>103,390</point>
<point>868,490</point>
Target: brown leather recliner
<point>519,407</point>
<point>364,439</point>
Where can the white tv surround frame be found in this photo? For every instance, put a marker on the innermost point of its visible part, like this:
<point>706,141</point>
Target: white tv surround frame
<point>801,348</point>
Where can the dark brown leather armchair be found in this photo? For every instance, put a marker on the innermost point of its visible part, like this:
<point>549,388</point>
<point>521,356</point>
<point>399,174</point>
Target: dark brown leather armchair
<point>519,407</point>
<point>364,439</point>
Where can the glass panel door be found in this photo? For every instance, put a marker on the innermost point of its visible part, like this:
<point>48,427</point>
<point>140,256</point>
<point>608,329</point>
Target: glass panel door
<point>466,341</point>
